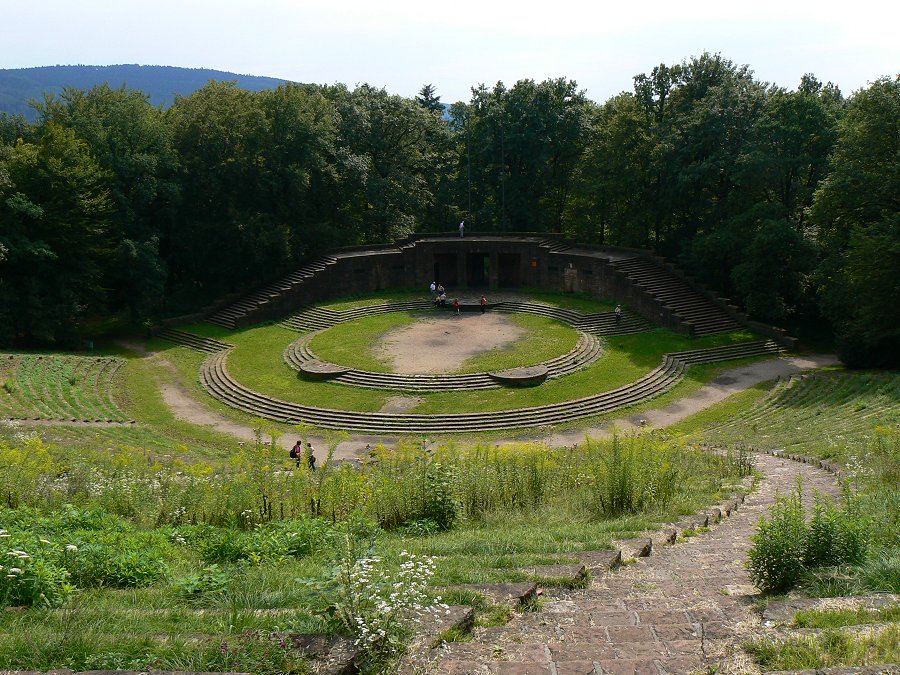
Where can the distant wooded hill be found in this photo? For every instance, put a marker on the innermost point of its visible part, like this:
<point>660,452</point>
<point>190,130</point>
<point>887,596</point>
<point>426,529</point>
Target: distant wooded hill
<point>18,86</point>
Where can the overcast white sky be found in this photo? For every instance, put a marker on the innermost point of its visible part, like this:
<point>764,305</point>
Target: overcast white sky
<point>401,45</point>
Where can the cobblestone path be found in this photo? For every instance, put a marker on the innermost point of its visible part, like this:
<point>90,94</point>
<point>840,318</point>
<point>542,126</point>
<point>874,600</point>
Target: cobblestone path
<point>684,609</point>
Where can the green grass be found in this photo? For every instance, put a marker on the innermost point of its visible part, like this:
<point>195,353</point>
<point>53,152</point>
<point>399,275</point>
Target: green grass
<point>59,386</point>
<point>353,343</point>
<point>846,617</point>
<point>829,649</point>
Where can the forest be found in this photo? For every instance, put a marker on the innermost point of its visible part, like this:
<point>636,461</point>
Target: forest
<point>784,200</point>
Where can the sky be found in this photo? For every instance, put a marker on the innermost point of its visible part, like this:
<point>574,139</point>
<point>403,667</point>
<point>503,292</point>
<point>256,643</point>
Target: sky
<point>401,45</point>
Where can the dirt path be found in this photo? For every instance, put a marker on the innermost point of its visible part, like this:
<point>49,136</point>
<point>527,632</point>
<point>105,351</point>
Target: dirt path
<point>684,609</point>
<point>728,383</point>
<point>188,408</point>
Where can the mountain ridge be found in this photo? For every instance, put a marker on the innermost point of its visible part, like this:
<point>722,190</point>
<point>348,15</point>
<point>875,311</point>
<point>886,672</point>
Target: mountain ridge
<point>19,86</point>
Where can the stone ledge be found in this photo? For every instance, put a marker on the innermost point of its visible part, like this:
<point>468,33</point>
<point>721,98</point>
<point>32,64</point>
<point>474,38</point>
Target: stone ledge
<point>529,376</point>
<point>510,594</point>
<point>321,370</point>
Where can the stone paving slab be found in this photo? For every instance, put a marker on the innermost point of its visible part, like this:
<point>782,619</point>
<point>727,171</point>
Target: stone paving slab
<point>599,562</point>
<point>512,594</point>
<point>569,574</point>
<point>639,547</point>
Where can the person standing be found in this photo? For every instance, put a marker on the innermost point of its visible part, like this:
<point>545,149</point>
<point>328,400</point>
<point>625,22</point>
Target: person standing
<point>462,228</point>
<point>433,289</point>
<point>618,314</point>
<point>483,304</point>
<point>297,452</point>
<point>456,305</point>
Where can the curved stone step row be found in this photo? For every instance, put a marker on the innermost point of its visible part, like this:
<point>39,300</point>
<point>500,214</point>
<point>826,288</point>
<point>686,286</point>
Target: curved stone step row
<point>587,350</point>
<point>319,318</point>
<point>215,378</point>
<point>193,341</point>
<point>676,294</point>
<point>599,323</point>
<point>229,316</point>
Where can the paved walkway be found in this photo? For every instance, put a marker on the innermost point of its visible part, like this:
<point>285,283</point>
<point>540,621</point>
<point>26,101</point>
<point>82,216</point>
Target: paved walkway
<point>683,609</point>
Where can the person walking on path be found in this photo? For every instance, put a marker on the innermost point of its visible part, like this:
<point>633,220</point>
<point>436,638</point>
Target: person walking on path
<point>456,305</point>
<point>483,303</point>
<point>462,228</point>
<point>618,314</point>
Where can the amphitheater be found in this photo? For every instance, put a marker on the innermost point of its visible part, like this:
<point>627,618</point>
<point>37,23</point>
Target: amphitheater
<point>654,292</point>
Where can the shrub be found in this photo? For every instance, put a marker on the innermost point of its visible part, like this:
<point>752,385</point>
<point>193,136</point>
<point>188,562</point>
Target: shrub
<point>785,546</point>
<point>631,476</point>
<point>198,587</point>
<point>835,536</point>
<point>120,563</point>
<point>779,546</point>
<point>31,578</point>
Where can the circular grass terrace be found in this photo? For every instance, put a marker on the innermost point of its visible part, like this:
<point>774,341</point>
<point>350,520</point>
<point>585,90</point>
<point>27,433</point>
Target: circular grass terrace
<point>256,363</point>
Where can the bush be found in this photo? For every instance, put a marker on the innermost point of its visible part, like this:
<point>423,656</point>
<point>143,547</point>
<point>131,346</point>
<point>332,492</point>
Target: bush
<point>779,546</point>
<point>632,476</point>
<point>198,587</point>
<point>118,562</point>
<point>269,542</point>
<point>785,547</point>
<point>835,536</point>
<point>28,580</point>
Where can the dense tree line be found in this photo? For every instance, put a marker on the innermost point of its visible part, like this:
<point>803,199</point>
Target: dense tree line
<point>785,200</point>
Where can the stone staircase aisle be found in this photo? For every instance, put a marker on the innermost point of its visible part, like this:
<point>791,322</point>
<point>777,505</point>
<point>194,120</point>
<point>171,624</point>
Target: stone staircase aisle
<point>684,609</point>
<point>687,303</point>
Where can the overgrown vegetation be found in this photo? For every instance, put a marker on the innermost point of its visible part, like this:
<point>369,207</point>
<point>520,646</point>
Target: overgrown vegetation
<point>133,546</point>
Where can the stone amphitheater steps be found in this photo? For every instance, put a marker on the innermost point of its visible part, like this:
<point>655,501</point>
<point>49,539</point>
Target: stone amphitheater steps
<point>198,342</point>
<point>319,318</point>
<point>229,316</point>
<point>215,378</point>
<point>691,305</point>
<point>600,323</point>
<point>588,350</point>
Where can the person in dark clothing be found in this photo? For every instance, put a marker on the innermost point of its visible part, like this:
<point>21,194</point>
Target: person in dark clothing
<point>483,304</point>
<point>297,452</point>
<point>618,314</point>
<point>310,457</point>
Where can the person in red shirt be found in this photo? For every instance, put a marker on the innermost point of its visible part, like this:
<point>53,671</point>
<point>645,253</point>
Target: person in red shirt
<point>483,303</point>
<point>456,304</point>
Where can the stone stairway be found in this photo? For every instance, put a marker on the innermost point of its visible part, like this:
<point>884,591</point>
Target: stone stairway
<point>229,316</point>
<point>194,341</point>
<point>690,305</point>
<point>298,353</point>
<point>684,609</point>
<point>215,378</point>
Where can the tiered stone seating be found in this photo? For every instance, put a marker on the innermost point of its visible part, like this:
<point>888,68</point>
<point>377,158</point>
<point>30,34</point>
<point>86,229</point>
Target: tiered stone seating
<point>686,302</point>
<point>585,352</point>
<point>600,323</point>
<point>215,378</point>
<point>229,316</point>
<point>318,318</point>
<point>194,341</point>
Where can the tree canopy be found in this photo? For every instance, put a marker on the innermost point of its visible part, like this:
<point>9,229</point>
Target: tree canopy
<point>785,200</point>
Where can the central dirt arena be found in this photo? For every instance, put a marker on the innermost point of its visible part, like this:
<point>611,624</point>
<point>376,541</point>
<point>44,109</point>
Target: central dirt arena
<point>442,345</point>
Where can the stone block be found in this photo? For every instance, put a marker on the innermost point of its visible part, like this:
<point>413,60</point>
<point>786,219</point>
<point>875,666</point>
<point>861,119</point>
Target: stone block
<point>639,547</point>
<point>511,594</point>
